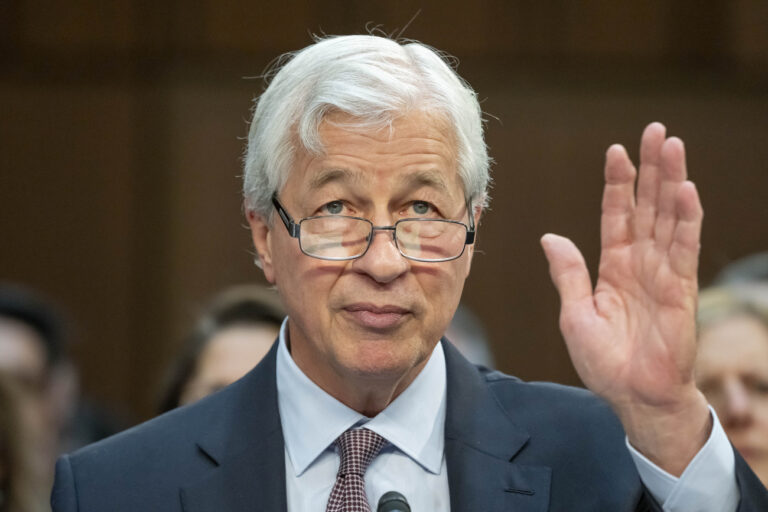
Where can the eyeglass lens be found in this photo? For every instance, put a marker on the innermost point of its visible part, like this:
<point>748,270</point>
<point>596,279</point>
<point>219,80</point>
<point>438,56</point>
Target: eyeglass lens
<point>346,238</point>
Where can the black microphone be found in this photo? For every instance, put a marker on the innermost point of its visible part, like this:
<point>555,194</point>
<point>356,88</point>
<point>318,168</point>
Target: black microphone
<point>393,501</point>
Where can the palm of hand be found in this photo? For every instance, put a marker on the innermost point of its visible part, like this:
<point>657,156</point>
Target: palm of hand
<point>632,340</point>
<point>638,342</point>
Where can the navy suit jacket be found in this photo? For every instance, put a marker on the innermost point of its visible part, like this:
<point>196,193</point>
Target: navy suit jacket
<point>509,445</point>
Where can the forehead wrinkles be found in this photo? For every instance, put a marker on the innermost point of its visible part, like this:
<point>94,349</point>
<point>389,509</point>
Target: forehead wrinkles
<point>417,152</point>
<point>420,145</point>
<point>432,130</point>
<point>407,180</point>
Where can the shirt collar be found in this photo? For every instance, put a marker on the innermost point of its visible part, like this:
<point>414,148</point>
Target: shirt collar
<point>312,419</point>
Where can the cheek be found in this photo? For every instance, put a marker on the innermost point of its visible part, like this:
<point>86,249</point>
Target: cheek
<point>761,414</point>
<point>306,286</point>
<point>290,265</point>
<point>288,280</point>
<point>459,275</point>
<point>442,291</point>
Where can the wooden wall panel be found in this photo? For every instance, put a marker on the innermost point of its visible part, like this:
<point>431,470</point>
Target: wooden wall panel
<point>89,26</point>
<point>67,215</point>
<point>208,234</point>
<point>749,38</point>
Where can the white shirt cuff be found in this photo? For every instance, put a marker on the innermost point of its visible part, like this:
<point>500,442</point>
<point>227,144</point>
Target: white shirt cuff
<point>708,484</point>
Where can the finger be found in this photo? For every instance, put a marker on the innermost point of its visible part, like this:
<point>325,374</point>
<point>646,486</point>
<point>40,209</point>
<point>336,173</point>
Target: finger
<point>673,174</point>
<point>618,198</point>
<point>684,249</point>
<point>648,180</point>
<point>568,270</point>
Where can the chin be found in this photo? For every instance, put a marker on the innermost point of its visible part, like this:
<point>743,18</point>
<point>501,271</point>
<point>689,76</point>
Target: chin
<point>377,361</point>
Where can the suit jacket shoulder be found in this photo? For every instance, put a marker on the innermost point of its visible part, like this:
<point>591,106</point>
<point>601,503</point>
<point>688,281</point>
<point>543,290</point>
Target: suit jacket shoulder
<point>224,452</point>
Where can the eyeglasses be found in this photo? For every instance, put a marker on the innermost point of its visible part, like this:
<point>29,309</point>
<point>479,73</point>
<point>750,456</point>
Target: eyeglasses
<point>341,237</point>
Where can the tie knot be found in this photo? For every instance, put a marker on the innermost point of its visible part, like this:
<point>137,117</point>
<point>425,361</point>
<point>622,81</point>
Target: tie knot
<point>358,448</point>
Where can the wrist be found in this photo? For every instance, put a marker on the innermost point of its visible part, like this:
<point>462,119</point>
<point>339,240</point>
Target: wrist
<point>669,435</point>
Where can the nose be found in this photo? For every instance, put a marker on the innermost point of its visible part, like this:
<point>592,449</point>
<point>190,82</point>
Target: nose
<point>383,261</point>
<point>738,404</point>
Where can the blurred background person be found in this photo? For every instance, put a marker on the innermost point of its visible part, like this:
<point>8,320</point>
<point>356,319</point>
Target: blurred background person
<point>234,332</point>
<point>732,369</point>
<point>33,356</point>
<point>467,333</point>
<point>747,278</point>
<point>21,488</point>
<point>750,269</point>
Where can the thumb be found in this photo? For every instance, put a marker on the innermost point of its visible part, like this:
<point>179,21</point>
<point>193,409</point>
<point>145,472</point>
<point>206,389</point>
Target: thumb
<point>567,269</point>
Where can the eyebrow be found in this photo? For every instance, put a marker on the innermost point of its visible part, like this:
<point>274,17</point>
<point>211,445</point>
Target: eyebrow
<point>429,177</point>
<point>334,174</point>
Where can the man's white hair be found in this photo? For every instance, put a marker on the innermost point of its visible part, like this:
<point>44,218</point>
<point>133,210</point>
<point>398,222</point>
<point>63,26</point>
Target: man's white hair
<point>373,79</point>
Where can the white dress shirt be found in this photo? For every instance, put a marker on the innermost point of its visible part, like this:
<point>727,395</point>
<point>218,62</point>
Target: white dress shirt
<point>413,462</point>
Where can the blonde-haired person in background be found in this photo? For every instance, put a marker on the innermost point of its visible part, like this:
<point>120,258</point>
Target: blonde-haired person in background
<point>732,368</point>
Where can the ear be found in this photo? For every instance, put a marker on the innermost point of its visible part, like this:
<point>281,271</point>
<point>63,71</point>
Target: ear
<point>261,233</point>
<point>477,212</point>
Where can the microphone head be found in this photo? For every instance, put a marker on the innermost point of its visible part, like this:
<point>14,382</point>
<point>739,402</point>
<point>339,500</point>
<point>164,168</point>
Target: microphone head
<point>393,501</point>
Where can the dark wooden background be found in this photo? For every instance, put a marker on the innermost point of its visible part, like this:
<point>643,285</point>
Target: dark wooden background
<point>122,125</point>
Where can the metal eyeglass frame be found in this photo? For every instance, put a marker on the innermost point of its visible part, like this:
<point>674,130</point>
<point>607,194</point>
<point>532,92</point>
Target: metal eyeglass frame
<point>294,230</point>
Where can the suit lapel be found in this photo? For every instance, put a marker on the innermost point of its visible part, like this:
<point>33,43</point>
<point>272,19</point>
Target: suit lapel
<point>244,443</point>
<point>481,442</point>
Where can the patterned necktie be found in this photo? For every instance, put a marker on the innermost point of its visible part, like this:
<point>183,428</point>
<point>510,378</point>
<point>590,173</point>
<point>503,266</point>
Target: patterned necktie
<point>358,448</point>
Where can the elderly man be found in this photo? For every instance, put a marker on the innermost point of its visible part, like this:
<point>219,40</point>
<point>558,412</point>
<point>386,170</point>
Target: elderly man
<point>365,180</point>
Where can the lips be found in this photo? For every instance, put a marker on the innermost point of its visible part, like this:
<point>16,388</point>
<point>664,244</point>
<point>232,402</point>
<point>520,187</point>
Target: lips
<point>377,317</point>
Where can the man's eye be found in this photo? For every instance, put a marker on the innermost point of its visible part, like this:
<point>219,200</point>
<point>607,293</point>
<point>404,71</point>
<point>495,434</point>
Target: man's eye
<point>421,207</point>
<point>334,207</point>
